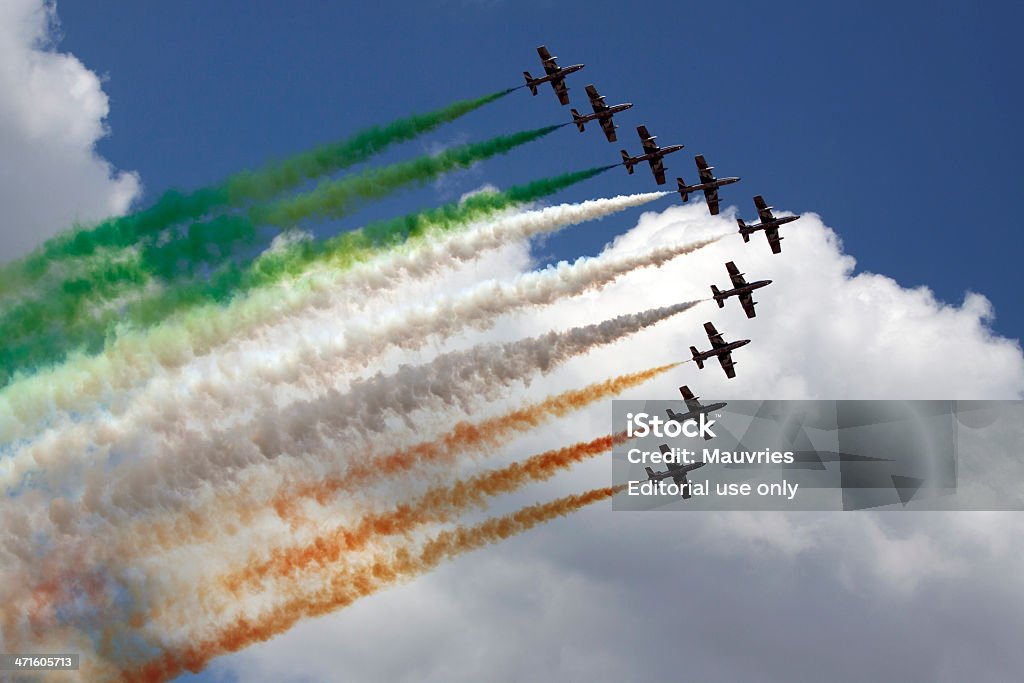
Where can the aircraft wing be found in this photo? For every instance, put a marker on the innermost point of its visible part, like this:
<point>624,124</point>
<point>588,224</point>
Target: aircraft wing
<point>706,176</point>
<point>748,304</point>
<point>547,60</point>
<point>764,211</point>
<point>596,101</point>
<point>665,450</point>
<point>691,401</point>
<point>647,140</point>
<point>714,336</point>
<point>608,127</point>
<point>711,196</point>
<point>735,275</point>
<point>726,360</point>
<point>658,169</point>
<point>774,241</point>
<point>681,480</point>
<point>563,92</point>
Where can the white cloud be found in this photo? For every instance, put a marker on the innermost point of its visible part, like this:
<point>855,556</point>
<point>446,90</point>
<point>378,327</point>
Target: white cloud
<point>52,111</point>
<point>756,597</point>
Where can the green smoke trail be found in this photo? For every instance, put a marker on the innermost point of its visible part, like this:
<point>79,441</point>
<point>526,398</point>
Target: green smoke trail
<point>175,207</point>
<point>334,199</point>
<point>345,250</point>
<point>62,311</point>
<point>51,343</point>
<point>210,243</point>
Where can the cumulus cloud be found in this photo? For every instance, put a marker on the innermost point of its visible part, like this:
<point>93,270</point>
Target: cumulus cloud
<point>52,112</point>
<point>720,596</point>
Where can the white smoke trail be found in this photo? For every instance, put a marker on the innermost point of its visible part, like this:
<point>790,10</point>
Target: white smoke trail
<point>166,471</point>
<point>314,363</point>
<point>136,357</point>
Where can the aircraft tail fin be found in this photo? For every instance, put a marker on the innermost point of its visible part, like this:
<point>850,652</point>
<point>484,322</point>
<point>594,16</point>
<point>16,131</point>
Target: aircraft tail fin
<point>576,119</point>
<point>696,357</point>
<point>715,292</point>
<point>650,473</point>
<point>529,82</point>
<point>628,161</point>
<point>681,184</point>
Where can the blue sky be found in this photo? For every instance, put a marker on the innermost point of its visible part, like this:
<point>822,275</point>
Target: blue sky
<point>900,128</point>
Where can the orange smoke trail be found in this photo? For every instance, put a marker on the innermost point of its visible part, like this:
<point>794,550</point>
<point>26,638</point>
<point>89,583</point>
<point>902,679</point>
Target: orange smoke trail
<point>438,504</point>
<point>345,587</point>
<point>464,437</point>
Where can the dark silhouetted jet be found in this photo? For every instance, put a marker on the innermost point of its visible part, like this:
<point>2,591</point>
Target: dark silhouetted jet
<point>602,114</point>
<point>769,223</point>
<point>676,472</point>
<point>708,183</point>
<point>652,154</point>
<point>720,348</point>
<point>553,74</point>
<point>694,409</point>
<point>740,288</point>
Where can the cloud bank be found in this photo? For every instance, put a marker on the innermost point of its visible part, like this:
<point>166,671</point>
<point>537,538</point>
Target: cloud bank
<point>52,113</point>
<point>616,596</point>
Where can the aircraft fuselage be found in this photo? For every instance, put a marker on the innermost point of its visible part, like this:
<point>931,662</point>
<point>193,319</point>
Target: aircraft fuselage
<point>561,73</point>
<point>748,229</point>
<point>694,414</point>
<point>718,182</point>
<point>653,156</point>
<point>722,350</point>
<point>672,474</point>
<point>745,289</point>
<point>605,114</point>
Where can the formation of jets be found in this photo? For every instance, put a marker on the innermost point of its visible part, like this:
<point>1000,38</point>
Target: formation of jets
<point>709,185</point>
<point>653,154</point>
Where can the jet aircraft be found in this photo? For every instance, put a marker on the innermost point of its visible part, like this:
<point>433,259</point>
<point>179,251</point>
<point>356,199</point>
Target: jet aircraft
<point>652,154</point>
<point>694,409</point>
<point>769,223</point>
<point>708,183</point>
<point>602,113</point>
<point>676,472</point>
<point>553,74</point>
<point>720,348</point>
<point>741,288</point>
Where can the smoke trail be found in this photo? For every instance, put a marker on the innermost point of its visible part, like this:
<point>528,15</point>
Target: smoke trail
<point>43,330</point>
<point>343,587</point>
<point>174,207</point>
<point>206,521</point>
<point>274,179</point>
<point>438,504</point>
<point>459,379</point>
<point>135,357</point>
<point>104,549</point>
<point>334,199</point>
<point>184,457</point>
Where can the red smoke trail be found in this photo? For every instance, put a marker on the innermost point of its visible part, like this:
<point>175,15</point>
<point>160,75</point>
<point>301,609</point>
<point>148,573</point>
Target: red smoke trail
<point>438,504</point>
<point>347,586</point>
